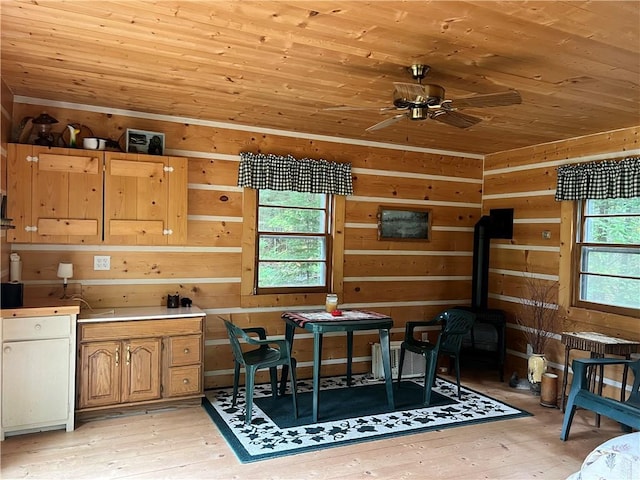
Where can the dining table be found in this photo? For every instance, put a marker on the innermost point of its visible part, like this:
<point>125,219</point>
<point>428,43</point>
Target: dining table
<point>348,321</point>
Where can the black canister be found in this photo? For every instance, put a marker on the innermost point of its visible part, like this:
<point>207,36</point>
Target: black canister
<point>173,301</point>
<point>12,295</point>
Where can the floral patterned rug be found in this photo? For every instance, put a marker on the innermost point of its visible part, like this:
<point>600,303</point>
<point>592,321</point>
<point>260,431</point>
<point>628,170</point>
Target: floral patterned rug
<point>346,415</point>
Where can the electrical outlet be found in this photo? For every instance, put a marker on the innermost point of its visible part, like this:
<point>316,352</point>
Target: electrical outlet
<point>102,262</point>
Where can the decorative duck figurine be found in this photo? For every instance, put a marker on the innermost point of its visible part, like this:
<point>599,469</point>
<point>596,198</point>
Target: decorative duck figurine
<point>73,131</point>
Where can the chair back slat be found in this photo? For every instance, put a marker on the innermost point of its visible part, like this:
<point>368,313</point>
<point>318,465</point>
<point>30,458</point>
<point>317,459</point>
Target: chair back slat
<point>457,323</point>
<point>234,332</point>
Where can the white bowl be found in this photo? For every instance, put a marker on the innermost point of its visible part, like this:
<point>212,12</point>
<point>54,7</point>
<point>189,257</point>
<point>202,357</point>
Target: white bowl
<point>94,143</point>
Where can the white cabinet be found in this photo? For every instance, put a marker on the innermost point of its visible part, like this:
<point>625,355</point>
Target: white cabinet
<point>38,379</point>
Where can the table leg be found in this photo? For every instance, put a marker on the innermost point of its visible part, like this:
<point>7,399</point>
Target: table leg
<point>317,358</point>
<point>625,372</point>
<point>349,356</point>
<point>564,378</point>
<point>600,382</point>
<point>386,362</point>
<point>288,335</point>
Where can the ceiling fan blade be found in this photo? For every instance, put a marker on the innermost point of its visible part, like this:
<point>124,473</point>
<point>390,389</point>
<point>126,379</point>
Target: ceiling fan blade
<point>409,91</point>
<point>348,109</point>
<point>511,97</point>
<point>387,122</point>
<point>456,119</point>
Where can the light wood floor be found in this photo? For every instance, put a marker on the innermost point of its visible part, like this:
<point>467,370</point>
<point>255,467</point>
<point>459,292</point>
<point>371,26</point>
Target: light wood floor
<point>184,443</point>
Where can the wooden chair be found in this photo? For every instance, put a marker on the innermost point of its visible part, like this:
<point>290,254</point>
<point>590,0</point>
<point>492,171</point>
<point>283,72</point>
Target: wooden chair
<point>269,354</point>
<point>626,412</point>
<point>455,325</point>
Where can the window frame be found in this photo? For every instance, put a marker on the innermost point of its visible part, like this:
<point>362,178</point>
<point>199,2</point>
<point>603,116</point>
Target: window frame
<point>578,244</point>
<point>329,227</point>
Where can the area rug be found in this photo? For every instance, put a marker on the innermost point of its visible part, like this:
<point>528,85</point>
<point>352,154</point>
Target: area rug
<point>346,415</point>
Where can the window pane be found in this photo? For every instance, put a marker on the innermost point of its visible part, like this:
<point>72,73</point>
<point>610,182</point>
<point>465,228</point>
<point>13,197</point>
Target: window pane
<point>621,230</point>
<point>291,220</point>
<point>292,199</point>
<point>274,247</point>
<point>620,292</point>
<point>611,261</point>
<point>613,206</point>
<point>291,274</point>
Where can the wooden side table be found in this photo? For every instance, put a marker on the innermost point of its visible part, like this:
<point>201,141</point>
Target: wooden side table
<point>599,345</point>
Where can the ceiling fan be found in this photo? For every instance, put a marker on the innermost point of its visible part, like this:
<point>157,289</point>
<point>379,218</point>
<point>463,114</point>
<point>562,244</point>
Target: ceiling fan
<point>417,101</point>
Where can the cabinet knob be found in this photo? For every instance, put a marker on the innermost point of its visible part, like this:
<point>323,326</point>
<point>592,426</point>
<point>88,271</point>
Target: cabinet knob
<point>185,381</point>
<point>186,350</point>
<point>7,349</point>
<point>38,326</point>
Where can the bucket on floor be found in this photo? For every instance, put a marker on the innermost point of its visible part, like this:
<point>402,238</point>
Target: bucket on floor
<point>549,390</point>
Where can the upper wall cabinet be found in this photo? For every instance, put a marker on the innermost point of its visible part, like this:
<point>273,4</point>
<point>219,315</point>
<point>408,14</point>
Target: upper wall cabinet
<point>145,199</point>
<point>54,195</point>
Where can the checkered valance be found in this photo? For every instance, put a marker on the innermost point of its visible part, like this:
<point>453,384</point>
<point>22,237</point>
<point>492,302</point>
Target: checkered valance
<point>608,179</point>
<point>275,172</point>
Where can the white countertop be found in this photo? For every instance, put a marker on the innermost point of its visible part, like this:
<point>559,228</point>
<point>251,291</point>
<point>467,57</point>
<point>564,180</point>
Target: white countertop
<point>137,313</point>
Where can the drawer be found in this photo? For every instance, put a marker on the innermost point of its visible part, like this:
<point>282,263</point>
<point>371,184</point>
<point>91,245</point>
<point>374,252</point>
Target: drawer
<point>184,381</point>
<point>184,350</point>
<point>118,330</point>
<point>30,328</point>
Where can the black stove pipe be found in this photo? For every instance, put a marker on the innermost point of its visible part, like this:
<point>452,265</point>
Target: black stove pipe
<point>480,278</point>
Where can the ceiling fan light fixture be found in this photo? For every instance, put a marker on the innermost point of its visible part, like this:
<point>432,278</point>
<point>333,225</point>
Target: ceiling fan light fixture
<point>418,113</point>
<point>419,71</point>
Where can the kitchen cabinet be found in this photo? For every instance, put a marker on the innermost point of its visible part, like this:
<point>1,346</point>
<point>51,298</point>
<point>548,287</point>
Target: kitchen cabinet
<point>54,195</point>
<point>119,372</point>
<point>140,355</point>
<point>145,199</point>
<point>38,369</point>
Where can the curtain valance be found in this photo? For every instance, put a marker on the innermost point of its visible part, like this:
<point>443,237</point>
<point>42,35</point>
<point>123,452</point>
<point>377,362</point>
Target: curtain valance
<point>597,180</point>
<point>276,172</point>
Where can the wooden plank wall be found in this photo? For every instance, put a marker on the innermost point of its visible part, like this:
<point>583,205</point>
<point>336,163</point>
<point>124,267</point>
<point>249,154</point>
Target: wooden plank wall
<point>6,111</point>
<point>408,280</point>
<point>525,179</point>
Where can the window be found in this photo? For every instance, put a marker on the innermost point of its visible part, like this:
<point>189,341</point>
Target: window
<point>293,244</point>
<point>607,273</point>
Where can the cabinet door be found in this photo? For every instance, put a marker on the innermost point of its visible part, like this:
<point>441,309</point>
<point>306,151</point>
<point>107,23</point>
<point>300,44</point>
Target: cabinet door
<point>100,366</point>
<point>35,382</point>
<point>141,375</point>
<point>54,195</point>
<point>19,192</point>
<point>67,196</point>
<point>145,199</point>
<point>136,194</point>
<point>177,205</point>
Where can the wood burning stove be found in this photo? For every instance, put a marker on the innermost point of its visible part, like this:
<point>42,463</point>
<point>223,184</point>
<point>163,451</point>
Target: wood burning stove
<point>486,341</point>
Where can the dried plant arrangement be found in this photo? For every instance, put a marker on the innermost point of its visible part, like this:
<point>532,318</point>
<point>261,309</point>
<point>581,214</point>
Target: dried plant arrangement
<point>538,312</point>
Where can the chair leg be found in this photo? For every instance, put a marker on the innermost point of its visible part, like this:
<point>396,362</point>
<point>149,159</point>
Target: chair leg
<point>294,387</point>
<point>402,352</point>
<point>250,374</point>
<point>273,375</point>
<point>236,380</point>
<point>570,410</point>
<point>457,360</point>
<point>429,377</point>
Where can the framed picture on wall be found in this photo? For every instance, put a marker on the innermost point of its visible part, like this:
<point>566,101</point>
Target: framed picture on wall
<point>140,141</point>
<point>404,223</point>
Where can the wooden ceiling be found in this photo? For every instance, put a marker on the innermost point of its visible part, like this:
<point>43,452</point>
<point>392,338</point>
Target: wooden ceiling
<point>279,64</point>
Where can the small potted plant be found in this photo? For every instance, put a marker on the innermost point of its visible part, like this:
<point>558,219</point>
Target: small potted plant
<point>537,317</point>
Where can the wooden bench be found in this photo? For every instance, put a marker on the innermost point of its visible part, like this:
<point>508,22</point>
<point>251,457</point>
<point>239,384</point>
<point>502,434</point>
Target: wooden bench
<point>626,412</point>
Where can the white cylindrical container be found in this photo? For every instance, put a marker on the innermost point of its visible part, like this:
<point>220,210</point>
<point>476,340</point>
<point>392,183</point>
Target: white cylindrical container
<point>15,269</point>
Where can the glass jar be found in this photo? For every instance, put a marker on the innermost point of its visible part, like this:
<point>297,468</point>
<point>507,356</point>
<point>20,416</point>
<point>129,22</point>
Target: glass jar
<point>331,302</point>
